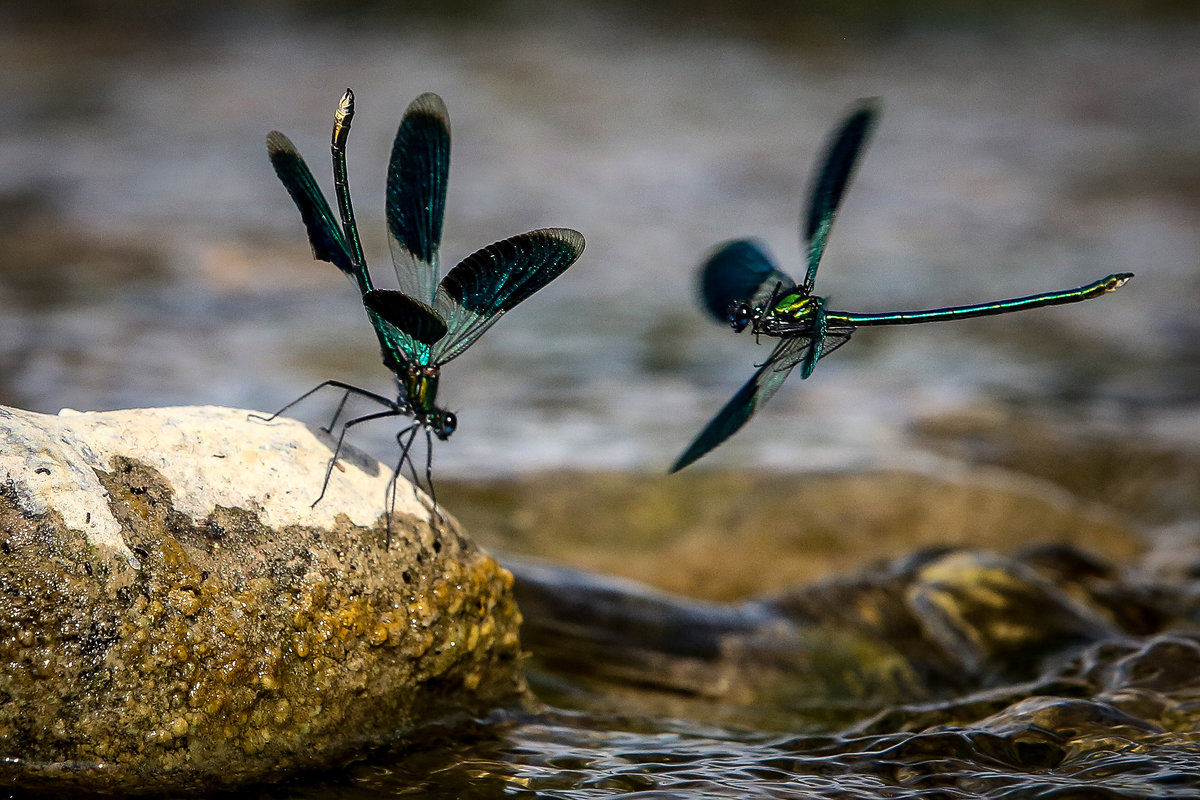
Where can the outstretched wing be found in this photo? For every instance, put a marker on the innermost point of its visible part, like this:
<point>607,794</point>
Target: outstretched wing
<point>493,280</point>
<point>756,391</point>
<point>416,195</point>
<point>832,178</point>
<point>324,232</point>
<point>766,381</point>
<point>739,271</point>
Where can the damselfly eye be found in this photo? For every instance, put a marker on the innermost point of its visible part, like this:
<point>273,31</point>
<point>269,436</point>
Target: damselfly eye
<point>447,423</point>
<point>739,316</point>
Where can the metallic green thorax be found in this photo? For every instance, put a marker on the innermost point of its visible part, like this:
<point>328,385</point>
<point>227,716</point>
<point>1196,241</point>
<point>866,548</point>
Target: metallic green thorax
<point>794,307</point>
<point>420,386</point>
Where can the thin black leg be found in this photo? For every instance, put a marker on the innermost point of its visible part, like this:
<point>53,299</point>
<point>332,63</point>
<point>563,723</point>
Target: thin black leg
<point>337,412</point>
<point>390,493</point>
<point>349,389</point>
<point>337,450</point>
<point>429,472</point>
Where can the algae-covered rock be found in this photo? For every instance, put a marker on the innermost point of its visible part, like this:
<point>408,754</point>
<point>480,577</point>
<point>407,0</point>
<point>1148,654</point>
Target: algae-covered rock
<point>175,615</point>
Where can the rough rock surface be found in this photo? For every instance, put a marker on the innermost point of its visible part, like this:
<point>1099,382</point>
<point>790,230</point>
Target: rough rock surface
<point>175,616</point>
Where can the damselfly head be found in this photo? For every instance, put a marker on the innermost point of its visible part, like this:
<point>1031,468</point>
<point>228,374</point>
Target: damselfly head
<point>443,423</point>
<point>740,315</point>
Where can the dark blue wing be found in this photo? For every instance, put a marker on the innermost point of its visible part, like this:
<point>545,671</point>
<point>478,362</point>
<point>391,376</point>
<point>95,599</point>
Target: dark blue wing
<point>741,407</point>
<point>416,195</point>
<point>758,390</point>
<point>736,272</point>
<point>486,284</point>
<point>832,178</point>
<point>324,232</point>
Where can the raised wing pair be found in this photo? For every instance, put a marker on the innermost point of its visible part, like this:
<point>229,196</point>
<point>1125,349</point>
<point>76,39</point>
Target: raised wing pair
<point>426,323</point>
<point>741,286</point>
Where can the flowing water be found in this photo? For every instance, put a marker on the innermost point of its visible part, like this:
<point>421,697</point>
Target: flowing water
<point>148,256</point>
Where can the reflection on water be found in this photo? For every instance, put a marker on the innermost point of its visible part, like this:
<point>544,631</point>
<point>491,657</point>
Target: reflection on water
<point>149,257</point>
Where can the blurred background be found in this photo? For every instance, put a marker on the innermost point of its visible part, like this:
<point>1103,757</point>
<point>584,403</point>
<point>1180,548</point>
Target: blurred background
<point>149,256</point>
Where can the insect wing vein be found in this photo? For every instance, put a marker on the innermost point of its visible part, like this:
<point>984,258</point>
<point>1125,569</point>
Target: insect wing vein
<point>416,195</point>
<point>741,407</point>
<point>324,233</point>
<point>495,279</point>
<point>832,179</point>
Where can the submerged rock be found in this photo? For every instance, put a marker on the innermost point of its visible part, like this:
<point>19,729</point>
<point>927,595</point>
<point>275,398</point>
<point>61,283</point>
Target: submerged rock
<point>176,615</point>
<point>925,629</point>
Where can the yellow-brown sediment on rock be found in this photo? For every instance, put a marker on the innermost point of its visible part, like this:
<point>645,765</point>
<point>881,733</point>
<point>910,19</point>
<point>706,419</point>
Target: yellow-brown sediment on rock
<point>237,648</point>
